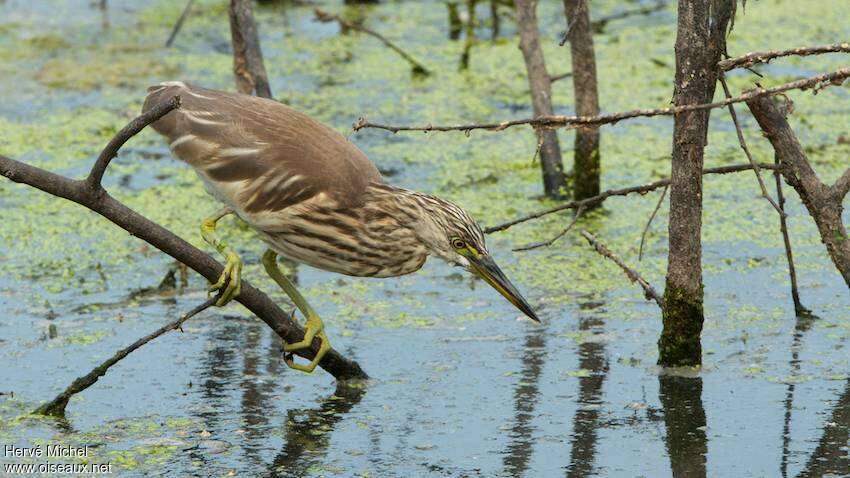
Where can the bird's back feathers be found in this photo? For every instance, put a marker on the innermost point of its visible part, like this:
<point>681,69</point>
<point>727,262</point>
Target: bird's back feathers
<point>270,155</point>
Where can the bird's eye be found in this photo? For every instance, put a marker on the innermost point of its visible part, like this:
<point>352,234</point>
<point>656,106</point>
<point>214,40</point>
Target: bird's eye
<point>457,243</point>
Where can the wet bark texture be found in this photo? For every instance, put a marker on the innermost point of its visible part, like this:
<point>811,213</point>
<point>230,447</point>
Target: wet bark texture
<point>700,40</point>
<point>541,97</point>
<point>586,155</point>
<point>248,66</point>
<point>821,200</point>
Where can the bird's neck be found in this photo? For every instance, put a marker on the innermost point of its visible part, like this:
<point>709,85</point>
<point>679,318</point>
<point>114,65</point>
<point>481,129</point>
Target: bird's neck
<point>415,215</point>
<point>407,209</point>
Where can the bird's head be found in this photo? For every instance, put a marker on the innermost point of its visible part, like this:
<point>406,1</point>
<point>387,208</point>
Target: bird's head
<point>451,234</point>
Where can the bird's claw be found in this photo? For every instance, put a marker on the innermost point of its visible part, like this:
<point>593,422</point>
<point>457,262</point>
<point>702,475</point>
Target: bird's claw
<point>315,328</point>
<point>289,357</point>
<point>230,280</point>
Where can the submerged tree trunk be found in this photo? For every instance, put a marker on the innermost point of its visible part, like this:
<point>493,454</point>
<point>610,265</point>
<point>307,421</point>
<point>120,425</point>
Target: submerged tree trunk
<point>541,97</point>
<point>248,63</point>
<point>586,155</point>
<point>700,40</point>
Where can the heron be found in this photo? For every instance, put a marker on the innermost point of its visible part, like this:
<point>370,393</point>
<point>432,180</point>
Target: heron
<point>313,197</point>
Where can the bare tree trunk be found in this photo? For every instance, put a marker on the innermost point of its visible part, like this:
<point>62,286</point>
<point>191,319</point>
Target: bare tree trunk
<point>823,202</point>
<point>248,66</point>
<point>586,156</point>
<point>700,40</point>
<point>541,97</point>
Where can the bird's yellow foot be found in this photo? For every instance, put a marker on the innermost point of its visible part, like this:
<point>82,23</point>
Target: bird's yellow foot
<point>315,328</point>
<point>230,279</point>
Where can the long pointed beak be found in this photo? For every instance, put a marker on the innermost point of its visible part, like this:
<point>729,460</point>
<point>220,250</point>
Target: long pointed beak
<point>487,269</point>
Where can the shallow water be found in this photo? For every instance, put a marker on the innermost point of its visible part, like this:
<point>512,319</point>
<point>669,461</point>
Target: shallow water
<point>462,386</point>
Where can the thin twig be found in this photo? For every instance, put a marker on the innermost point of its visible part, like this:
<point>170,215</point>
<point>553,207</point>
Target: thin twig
<point>554,78</point>
<point>592,201</point>
<point>582,4</point>
<point>111,150</point>
<point>600,23</point>
<point>326,17</point>
<point>633,276</point>
<point>179,24</point>
<point>559,121</point>
<point>743,144</point>
<point>649,222</point>
<point>750,59</point>
<point>799,309</point>
<point>56,407</point>
<point>535,245</point>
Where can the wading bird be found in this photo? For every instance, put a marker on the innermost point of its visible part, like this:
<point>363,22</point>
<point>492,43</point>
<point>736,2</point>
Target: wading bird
<point>313,197</point>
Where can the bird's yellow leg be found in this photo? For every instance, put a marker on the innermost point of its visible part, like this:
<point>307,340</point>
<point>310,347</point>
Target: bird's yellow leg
<point>231,277</point>
<point>314,326</point>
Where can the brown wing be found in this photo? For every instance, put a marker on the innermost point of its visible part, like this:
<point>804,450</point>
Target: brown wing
<point>281,156</point>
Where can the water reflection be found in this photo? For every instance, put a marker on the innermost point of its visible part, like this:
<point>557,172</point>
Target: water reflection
<point>803,324</point>
<point>217,372</point>
<point>684,421</point>
<point>586,421</point>
<point>521,445</point>
<point>832,455</point>
<point>257,391</point>
<point>308,432</point>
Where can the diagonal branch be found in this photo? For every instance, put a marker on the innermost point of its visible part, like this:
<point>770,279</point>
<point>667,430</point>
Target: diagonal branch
<point>111,150</point>
<point>633,276</point>
<point>56,407</point>
<point>799,309</point>
<point>743,144</point>
<point>535,245</point>
<point>600,23</point>
<point>326,17</point>
<point>559,121</point>
<point>649,221</point>
<point>750,59</point>
<point>819,198</point>
<point>560,76</point>
<point>179,24</point>
<point>592,201</point>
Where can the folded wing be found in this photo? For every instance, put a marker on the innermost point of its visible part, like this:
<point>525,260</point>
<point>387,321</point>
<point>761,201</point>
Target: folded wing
<point>279,157</point>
